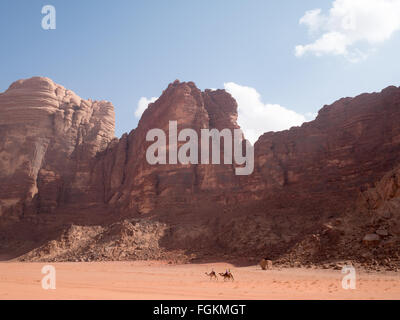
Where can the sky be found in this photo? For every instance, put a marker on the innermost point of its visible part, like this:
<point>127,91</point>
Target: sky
<point>281,60</point>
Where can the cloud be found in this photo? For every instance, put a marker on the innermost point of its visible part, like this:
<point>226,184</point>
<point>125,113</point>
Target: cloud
<point>142,105</point>
<point>313,20</point>
<point>256,118</point>
<point>350,25</point>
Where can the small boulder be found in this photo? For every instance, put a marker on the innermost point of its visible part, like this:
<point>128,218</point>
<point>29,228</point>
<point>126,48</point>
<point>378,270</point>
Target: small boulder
<point>265,264</point>
<point>371,239</point>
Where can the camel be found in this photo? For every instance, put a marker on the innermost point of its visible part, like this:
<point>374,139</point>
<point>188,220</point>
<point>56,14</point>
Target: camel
<point>212,275</point>
<point>227,275</point>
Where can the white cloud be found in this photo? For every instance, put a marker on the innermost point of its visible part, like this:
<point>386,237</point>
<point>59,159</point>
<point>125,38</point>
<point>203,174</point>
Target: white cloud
<point>313,19</point>
<point>349,25</point>
<point>142,105</point>
<point>256,118</point>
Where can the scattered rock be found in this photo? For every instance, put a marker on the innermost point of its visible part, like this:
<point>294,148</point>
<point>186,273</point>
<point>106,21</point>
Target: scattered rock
<point>130,239</point>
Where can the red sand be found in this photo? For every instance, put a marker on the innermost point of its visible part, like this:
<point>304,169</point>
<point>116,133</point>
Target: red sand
<point>158,280</point>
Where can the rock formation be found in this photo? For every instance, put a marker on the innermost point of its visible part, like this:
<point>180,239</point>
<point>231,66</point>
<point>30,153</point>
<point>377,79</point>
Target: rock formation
<point>58,155</point>
<point>134,185</point>
<point>265,264</point>
<point>368,234</point>
<point>49,136</point>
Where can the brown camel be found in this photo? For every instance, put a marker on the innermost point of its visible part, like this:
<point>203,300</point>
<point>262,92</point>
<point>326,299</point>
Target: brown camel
<point>212,275</point>
<point>227,275</point>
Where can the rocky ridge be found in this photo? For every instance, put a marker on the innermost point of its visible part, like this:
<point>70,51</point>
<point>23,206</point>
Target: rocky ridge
<point>62,165</point>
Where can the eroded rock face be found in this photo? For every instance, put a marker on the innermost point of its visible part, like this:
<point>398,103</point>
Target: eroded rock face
<point>311,171</point>
<point>132,184</point>
<point>49,136</point>
<point>384,197</point>
<point>319,168</point>
<point>58,153</point>
<point>303,177</point>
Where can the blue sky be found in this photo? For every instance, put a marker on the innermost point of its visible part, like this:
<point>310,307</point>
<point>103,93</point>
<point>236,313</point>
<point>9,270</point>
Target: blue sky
<point>124,50</point>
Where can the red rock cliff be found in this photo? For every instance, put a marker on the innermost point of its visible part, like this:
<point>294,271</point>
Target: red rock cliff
<point>49,135</point>
<point>58,152</point>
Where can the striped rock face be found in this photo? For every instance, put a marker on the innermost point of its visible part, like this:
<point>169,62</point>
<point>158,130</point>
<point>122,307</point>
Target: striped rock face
<point>48,136</point>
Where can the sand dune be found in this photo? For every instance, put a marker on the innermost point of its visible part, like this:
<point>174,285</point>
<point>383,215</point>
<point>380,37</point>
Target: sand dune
<point>159,280</point>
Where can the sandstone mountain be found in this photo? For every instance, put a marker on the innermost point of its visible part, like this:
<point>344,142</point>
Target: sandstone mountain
<point>61,165</point>
<point>49,136</point>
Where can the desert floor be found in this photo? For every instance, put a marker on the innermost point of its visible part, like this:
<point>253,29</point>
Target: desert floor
<point>158,280</point>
